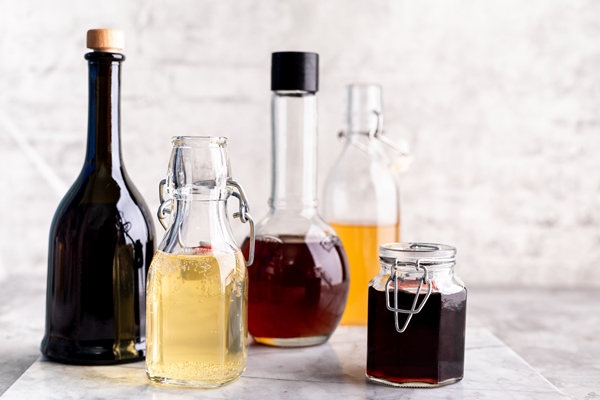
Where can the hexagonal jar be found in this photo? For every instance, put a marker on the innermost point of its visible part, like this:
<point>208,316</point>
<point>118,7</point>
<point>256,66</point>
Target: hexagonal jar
<point>417,317</point>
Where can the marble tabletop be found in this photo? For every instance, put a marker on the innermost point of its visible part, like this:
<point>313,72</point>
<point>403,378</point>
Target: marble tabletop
<point>333,370</point>
<point>541,334</point>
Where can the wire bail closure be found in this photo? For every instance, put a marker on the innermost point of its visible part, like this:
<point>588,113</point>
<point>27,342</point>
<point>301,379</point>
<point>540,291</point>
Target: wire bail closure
<point>377,133</point>
<point>414,309</point>
<point>401,258</point>
<point>244,215</point>
<point>420,265</point>
<point>166,205</point>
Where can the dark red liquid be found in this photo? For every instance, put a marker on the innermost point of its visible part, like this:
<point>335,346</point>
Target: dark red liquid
<point>297,287</point>
<point>430,350</point>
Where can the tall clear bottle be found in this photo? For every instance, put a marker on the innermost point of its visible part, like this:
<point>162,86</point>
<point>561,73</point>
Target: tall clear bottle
<point>361,194</point>
<point>298,283</point>
<point>101,238</point>
<point>197,286</point>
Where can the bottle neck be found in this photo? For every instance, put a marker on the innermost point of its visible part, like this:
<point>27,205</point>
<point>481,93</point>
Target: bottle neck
<point>365,109</point>
<point>294,128</point>
<point>198,225</point>
<point>104,116</point>
<point>362,126</point>
<point>362,137</point>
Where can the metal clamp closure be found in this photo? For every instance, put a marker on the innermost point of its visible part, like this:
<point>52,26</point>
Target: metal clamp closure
<point>244,215</point>
<point>165,204</point>
<point>394,277</point>
<point>377,133</point>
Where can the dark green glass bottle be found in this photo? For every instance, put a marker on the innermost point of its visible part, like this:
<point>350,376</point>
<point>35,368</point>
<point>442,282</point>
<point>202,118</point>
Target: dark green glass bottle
<point>101,238</point>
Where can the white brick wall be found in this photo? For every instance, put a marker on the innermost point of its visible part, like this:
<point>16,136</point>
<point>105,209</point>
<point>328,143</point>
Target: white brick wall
<point>499,101</point>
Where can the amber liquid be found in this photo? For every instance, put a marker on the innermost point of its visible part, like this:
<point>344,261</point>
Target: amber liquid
<point>197,319</point>
<point>361,243</point>
<point>430,352</point>
<point>297,289</point>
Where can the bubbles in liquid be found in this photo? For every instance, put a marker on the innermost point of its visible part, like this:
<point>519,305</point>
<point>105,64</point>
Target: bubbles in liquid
<point>197,318</point>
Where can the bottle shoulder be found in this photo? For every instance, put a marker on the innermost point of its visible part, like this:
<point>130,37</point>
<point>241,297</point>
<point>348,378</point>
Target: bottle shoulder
<point>134,194</point>
<point>103,185</point>
<point>355,168</point>
<point>442,283</point>
<point>98,198</point>
<point>357,190</point>
<point>286,222</point>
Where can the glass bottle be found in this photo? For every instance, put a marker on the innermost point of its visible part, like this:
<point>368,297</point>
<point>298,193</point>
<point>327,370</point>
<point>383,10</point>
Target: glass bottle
<point>299,279</point>
<point>361,194</point>
<point>417,317</point>
<point>197,285</point>
<point>101,237</point>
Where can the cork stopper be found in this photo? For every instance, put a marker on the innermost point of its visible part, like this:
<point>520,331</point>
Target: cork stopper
<point>106,40</point>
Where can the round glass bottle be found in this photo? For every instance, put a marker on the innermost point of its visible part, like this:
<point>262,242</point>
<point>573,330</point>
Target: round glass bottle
<point>197,284</point>
<point>417,317</point>
<point>361,194</point>
<point>299,280</point>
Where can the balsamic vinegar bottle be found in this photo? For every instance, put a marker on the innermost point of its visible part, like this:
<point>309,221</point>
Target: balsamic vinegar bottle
<point>101,238</point>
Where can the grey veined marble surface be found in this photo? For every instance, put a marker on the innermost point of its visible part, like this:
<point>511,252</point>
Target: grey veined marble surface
<point>333,370</point>
<point>554,331</point>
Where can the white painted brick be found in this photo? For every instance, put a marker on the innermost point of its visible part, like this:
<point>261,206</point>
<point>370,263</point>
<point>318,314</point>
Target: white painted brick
<point>499,102</point>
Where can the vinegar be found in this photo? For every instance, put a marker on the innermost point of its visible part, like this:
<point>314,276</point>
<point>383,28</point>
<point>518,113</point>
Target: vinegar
<point>361,243</point>
<point>430,352</point>
<point>197,318</point>
<point>298,289</point>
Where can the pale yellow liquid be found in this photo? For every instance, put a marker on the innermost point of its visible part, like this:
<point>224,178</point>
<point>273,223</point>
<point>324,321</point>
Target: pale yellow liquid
<point>197,322</point>
<point>361,243</point>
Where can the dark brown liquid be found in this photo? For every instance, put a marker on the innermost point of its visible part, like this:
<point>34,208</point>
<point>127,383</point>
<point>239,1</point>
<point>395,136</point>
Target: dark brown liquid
<point>98,261</point>
<point>297,287</point>
<point>431,350</point>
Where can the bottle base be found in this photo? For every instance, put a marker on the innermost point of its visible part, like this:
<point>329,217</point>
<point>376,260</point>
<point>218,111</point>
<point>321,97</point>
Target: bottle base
<point>412,384</point>
<point>293,342</point>
<point>96,352</point>
<point>92,362</point>
<point>162,381</point>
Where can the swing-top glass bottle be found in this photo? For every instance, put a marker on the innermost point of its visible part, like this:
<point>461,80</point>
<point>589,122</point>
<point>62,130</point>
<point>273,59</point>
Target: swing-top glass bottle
<point>361,194</point>
<point>197,284</point>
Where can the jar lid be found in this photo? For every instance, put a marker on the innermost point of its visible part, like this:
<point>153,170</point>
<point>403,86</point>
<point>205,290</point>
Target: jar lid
<point>389,252</point>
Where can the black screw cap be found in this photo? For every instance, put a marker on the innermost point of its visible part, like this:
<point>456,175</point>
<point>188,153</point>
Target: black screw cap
<point>295,70</point>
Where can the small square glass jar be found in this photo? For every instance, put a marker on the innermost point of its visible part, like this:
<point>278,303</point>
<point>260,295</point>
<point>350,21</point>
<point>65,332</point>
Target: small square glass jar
<point>417,317</point>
